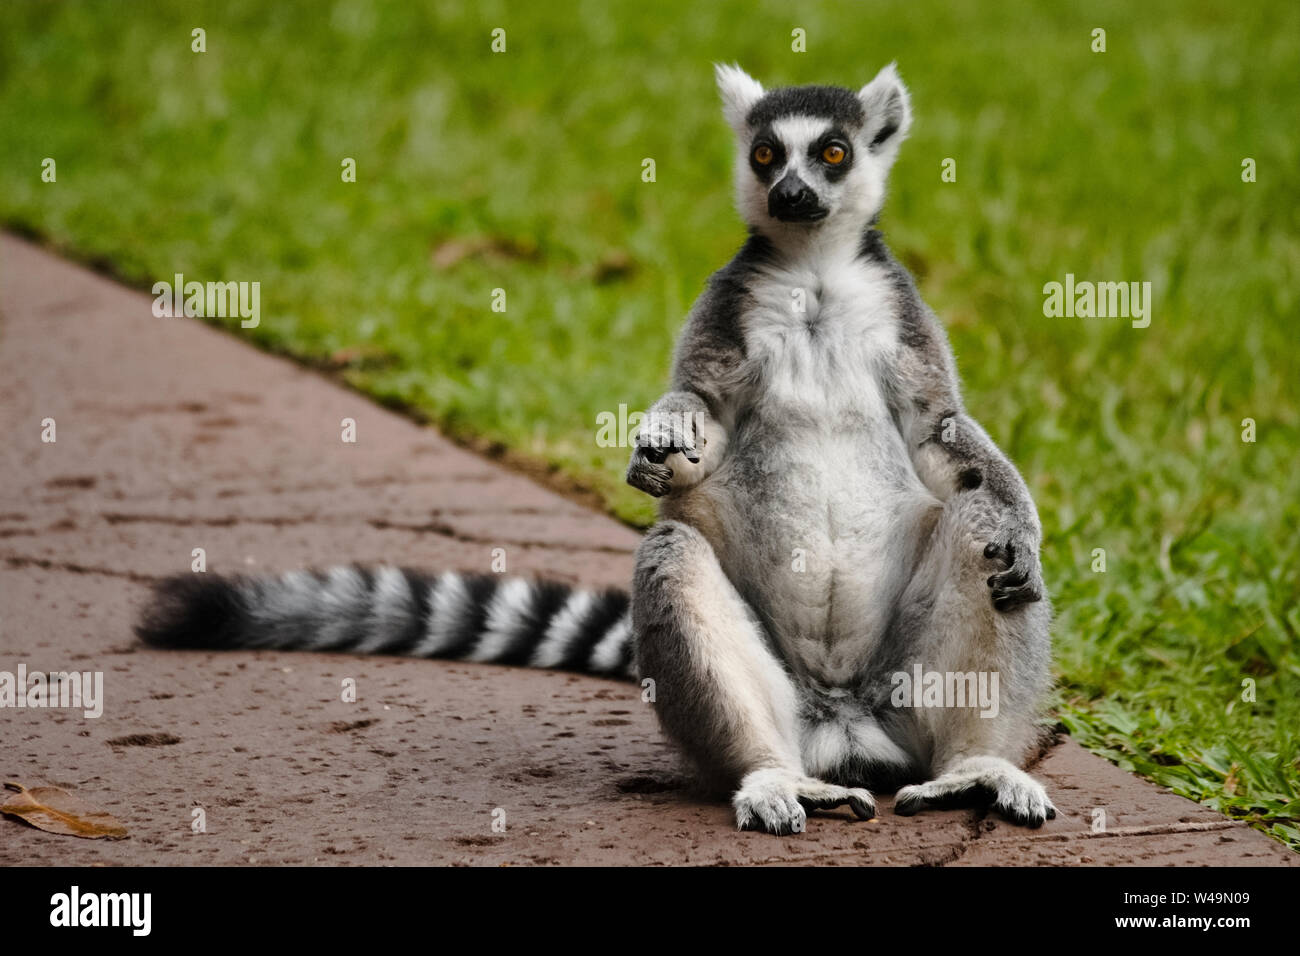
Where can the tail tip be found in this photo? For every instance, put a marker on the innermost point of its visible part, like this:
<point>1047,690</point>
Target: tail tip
<point>192,611</point>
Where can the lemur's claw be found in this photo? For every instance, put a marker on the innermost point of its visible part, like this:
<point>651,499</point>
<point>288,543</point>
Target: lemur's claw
<point>1019,583</point>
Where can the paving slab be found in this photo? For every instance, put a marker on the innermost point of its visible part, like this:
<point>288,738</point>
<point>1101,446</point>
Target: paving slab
<point>173,436</point>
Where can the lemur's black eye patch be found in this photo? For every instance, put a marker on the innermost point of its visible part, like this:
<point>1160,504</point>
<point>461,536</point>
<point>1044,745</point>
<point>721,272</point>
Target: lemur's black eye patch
<point>831,151</point>
<point>766,155</point>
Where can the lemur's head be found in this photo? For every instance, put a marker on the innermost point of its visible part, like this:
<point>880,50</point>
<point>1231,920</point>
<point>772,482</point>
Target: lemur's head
<point>813,155</point>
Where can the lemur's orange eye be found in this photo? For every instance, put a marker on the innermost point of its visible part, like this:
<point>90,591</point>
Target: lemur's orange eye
<point>763,155</point>
<point>833,154</point>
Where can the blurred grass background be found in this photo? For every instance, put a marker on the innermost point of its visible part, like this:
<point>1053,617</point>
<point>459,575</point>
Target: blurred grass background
<point>522,171</point>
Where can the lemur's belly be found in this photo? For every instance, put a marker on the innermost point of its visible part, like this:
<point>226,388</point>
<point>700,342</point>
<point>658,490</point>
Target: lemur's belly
<point>814,516</point>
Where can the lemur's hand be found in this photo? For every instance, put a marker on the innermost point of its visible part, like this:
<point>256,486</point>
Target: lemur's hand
<point>670,427</point>
<point>1022,581</point>
<point>651,477</point>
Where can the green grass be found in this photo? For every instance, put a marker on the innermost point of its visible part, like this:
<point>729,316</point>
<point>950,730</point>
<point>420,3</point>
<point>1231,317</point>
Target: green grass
<point>1123,165</point>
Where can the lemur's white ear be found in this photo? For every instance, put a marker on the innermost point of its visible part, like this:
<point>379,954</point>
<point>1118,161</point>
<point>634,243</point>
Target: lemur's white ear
<point>888,108</point>
<point>739,92</point>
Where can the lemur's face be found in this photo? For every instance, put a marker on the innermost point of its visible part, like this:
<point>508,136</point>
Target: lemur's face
<point>810,155</point>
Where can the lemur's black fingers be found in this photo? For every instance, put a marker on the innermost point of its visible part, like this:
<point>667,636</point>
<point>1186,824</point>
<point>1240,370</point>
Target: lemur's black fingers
<point>1014,578</point>
<point>1007,599</point>
<point>1026,818</point>
<point>1010,600</point>
<point>910,804</point>
<point>657,454</point>
<point>862,809</point>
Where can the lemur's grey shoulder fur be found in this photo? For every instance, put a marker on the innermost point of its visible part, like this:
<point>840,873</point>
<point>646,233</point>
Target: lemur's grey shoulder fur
<point>711,345</point>
<point>929,352</point>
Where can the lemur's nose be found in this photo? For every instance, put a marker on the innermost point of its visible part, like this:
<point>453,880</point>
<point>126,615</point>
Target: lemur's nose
<point>790,191</point>
<point>793,200</point>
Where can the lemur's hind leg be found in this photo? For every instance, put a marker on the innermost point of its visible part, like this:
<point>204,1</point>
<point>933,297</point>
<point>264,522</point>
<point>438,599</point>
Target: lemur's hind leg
<point>950,620</point>
<point>719,692</point>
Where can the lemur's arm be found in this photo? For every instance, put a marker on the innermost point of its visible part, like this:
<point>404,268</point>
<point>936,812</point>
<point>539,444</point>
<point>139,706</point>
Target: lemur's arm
<point>684,434</point>
<point>953,455</point>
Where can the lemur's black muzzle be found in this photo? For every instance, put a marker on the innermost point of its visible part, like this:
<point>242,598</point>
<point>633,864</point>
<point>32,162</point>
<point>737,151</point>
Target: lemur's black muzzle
<point>793,200</point>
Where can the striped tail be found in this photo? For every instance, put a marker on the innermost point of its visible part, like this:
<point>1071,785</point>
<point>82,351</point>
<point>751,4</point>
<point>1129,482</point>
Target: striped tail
<point>386,610</point>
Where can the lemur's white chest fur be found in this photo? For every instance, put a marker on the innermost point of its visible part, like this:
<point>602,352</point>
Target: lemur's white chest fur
<point>818,335</point>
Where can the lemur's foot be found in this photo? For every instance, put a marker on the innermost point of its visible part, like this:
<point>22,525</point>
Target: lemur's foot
<point>778,801</point>
<point>1021,582</point>
<point>981,782</point>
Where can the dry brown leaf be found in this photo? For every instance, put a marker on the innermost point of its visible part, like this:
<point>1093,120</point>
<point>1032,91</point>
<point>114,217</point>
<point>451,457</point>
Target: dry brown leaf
<point>57,811</point>
<point>494,248</point>
<point>1230,782</point>
<point>613,267</point>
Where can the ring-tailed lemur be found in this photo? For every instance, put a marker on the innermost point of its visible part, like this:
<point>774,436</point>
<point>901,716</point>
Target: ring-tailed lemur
<point>833,523</point>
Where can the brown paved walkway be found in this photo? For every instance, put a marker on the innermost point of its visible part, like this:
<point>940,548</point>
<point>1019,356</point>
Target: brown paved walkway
<point>173,436</point>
